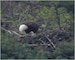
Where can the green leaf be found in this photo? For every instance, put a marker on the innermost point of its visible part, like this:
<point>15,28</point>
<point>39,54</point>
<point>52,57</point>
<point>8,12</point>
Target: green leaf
<point>54,24</point>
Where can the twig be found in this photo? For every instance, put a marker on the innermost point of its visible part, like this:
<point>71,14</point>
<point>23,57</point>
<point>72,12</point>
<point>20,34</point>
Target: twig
<point>57,17</point>
<point>24,12</point>
<point>38,45</point>
<point>46,23</point>
<point>42,40</point>
<point>6,30</point>
<point>14,32</point>
<point>26,35</point>
<point>43,33</point>
<point>51,42</point>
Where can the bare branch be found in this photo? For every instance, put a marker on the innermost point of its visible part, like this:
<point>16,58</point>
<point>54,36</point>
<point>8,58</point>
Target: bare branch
<point>42,40</point>
<point>57,17</point>
<point>46,23</point>
<point>24,12</point>
<point>14,32</point>
<point>38,45</point>
<point>51,42</point>
<point>27,35</point>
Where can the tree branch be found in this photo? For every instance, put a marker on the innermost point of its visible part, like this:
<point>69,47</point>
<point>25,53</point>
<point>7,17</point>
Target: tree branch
<point>24,12</point>
<point>38,45</point>
<point>51,42</point>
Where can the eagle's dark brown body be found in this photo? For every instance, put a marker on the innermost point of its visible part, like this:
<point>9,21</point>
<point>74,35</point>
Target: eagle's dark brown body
<point>31,27</point>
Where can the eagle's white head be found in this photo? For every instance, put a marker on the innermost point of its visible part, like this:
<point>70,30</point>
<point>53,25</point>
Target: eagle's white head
<point>22,28</point>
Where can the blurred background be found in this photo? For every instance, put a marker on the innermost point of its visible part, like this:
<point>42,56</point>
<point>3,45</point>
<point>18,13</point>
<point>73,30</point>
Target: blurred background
<point>50,15</point>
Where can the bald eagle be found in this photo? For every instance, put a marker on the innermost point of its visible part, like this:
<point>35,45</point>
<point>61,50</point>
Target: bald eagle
<point>29,28</point>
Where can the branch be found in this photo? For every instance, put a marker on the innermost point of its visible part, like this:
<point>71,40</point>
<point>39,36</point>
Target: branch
<point>42,40</point>
<point>46,23</point>
<point>57,17</point>
<point>38,45</point>
<point>14,32</point>
<point>27,35</point>
<point>51,42</point>
<point>24,12</point>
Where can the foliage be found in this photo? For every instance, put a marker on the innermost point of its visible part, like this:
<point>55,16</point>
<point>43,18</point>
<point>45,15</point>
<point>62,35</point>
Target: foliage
<point>64,50</point>
<point>18,12</point>
<point>54,24</point>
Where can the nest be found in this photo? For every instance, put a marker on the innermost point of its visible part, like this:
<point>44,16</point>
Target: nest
<point>50,38</point>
